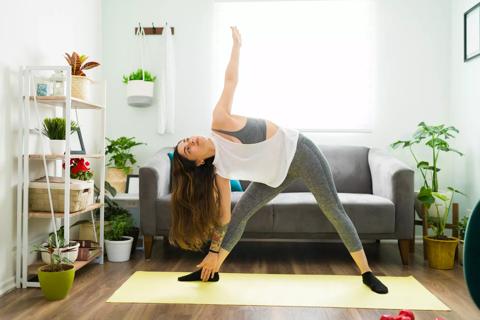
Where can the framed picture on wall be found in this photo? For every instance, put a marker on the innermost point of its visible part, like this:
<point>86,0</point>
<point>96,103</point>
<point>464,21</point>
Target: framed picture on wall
<point>133,181</point>
<point>471,33</point>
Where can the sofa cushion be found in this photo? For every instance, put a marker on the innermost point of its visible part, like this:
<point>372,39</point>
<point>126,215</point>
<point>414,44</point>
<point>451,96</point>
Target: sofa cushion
<point>261,221</point>
<point>299,212</point>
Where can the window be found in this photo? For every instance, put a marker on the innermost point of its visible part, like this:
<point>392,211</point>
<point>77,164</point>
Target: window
<point>303,64</point>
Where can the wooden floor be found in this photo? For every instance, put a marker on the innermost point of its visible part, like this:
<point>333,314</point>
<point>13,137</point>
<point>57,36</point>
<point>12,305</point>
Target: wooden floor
<point>94,284</point>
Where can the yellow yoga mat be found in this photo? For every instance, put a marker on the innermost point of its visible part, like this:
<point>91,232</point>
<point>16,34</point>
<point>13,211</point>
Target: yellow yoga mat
<point>277,290</point>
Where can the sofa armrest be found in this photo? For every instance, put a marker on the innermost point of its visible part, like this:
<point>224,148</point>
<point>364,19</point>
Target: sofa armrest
<point>154,183</point>
<point>394,180</point>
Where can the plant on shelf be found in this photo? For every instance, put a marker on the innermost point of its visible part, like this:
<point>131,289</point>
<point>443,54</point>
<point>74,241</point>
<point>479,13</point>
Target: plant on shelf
<point>56,277</point>
<point>79,169</point>
<point>80,82</point>
<point>139,88</point>
<point>440,247</point>
<point>138,75</point>
<point>120,161</point>
<point>55,129</point>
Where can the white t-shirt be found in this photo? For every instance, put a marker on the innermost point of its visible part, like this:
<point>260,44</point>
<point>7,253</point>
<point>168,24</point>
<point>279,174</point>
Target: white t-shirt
<point>267,161</point>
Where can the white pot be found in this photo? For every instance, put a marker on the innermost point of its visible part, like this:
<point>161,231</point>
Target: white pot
<point>139,93</point>
<point>72,255</point>
<point>460,252</point>
<point>57,146</point>
<point>119,251</point>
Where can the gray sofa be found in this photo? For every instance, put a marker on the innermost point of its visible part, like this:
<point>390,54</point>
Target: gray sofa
<point>375,188</point>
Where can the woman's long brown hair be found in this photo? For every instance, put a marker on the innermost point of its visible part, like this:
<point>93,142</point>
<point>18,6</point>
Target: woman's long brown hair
<point>195,202</point>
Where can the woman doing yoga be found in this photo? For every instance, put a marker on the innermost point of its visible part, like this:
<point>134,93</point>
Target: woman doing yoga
<point>258,150</point>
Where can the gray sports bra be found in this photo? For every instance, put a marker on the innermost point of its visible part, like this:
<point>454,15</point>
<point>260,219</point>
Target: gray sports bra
<point>254,131</point>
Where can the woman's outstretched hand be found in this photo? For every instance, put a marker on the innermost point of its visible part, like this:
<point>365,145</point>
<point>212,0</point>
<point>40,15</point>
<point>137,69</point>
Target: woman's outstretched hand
<point>237,38</point>
<point>209,266</point>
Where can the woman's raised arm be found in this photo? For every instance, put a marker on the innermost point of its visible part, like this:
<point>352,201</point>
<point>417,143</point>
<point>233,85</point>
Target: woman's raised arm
<point>224,104</point>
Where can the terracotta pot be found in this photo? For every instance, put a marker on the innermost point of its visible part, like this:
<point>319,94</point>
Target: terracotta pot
<point>441,253</point>
<point>117,178</point>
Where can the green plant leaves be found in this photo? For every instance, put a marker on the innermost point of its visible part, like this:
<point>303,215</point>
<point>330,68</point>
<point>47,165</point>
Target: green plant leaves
<point>120,154</point>
<point>77,64</point>
<point>138,75</point>
<point>54,128</point>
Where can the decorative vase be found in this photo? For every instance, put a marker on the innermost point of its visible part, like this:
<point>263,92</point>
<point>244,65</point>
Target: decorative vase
<point>117,178</point>
<point>71,255</point>
<point>81,87</point>
<point>441,253</point>
<point>119,251</point>
<point>57,146</point>
<point>56,285</point>
<point>139,93</point>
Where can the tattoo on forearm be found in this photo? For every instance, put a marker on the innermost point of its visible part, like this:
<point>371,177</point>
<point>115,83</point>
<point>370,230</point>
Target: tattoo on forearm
<point>217,236</point>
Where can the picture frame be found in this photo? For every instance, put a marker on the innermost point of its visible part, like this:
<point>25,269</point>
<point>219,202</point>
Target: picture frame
<point>80,141</point>
<point>133,183</point>
<point>471,33</point>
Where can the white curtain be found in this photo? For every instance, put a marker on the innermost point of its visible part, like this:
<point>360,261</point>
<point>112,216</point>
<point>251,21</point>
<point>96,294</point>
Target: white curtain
<point>166,107</point>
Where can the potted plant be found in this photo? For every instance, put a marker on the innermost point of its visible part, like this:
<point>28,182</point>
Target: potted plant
<point>54,129</point>
<point>440,248</point>
<point>79,170</point>
<point>139,88</point>
<point>117,243</point>
<point>80,82</point>
<point>462,227</point>
<point>70,250</point>
<point>120,161</point>
<point>56,277</point>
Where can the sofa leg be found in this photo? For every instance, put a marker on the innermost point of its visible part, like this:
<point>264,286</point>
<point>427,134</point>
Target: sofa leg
<point>148,244</point>
<point>404,247</point>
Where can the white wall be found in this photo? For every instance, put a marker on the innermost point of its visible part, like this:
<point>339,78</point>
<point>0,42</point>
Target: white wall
<point>413,72</point>
<point>464,112</point>
<point>36,33</point>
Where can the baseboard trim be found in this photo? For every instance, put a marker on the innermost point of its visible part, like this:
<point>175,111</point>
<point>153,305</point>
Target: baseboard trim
<point>7,285</point>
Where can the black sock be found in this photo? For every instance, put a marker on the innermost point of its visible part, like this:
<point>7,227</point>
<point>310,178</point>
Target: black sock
<point>371,281</point>
<point>197,276</point>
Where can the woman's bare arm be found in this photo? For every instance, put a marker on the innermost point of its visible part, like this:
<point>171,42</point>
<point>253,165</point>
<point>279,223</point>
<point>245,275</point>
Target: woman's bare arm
<point>224,104</point>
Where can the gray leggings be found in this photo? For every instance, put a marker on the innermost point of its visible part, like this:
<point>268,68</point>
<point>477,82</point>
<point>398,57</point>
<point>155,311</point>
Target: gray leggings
<point>310,165</point>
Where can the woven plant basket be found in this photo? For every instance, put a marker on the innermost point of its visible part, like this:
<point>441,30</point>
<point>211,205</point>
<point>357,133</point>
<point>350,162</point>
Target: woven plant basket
<point>38,195</point>
<point>117,178</point>
<point>81,87</point>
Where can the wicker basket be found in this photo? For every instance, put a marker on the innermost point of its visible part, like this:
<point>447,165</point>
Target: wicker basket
<point>81,87</point>
<point>38,194</point>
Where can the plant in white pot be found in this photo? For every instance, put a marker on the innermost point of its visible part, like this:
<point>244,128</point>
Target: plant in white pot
<point>117,243</point>
<point>80,82</point>
<point>140,85</point>
<point>462,227</point>
<point>120,161</point>
<point>70,251</point>
<point>440,248</point>
<point>54,129</point>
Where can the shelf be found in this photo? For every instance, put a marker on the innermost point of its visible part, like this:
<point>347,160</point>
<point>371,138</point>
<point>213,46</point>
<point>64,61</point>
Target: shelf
<point>32,269</point>
<point>38,156</point>
<point>47,215</point>
<point>61,101</point>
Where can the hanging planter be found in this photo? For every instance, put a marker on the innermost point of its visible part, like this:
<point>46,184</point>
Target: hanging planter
<point>139,88</point>
<point>140,83</point>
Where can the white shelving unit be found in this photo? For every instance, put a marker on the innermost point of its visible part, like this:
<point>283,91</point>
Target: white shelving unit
<point>25,271</point>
